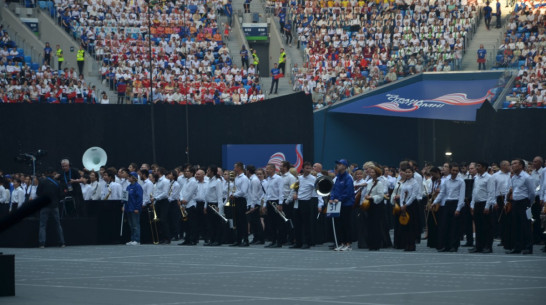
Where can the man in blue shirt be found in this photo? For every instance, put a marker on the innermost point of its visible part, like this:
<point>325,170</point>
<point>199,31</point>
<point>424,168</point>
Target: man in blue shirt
<point>343,193</point>
<point>282,18</point>
<point>244,56</point>
<point>275,73</point>
<point>47,54</point>
<point>481,57</point>
<point>498,14</point>
<point>487,14</point>
<point>229,12</point>
<point>288,32</point>
<point>133,207</point>
<point>246,5</point>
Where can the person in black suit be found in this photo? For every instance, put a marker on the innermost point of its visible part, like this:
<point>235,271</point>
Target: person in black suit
<point>50,187</point>
<point>70,180</point>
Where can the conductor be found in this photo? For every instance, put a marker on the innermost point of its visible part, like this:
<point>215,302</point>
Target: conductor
<point>49,187</point>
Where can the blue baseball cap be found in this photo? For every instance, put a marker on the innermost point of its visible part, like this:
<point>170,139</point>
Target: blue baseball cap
<point>134,174</point>
<point>343,161</point>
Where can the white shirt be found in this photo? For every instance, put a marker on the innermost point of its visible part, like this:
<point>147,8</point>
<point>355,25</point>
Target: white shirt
<point>195,191</point>
<point>255,192</point>
<point>419,179</point>
<point>241,186</point>
<point>147,189</point>
<point>523,187</point>
<point>18,196</point>
<point>162,189</point>
<point>95,190</point>
<point>409,191</point>
<point>501,183</point>
<point>4,198</point>
<point>273,189</point>
<point>483,190</point>
<point>114,189</point>
<point>306,189</point>
<point>287,193</point>
<point>375,190</point>
<point>213,192</point>
<point>174,191</point>
<point>31,191</point>
<point>452,190</point>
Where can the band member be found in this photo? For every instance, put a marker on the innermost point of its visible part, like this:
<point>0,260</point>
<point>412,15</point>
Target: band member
<point>373,193</point>
<point>482,201</point>
<point>451,199</point>
<point>306,200</point>
<point>95,190</point>
<point>239,199</point>
<point>17,196</point>
<point>395,202</point>
<point>523,195</point>
<point>542,196</point>
<point>194,192</point>
<point>501,186</point>
<point>174,211</point>
<point>133,208</point>
<point>147,186</point>
<point>161,201</point>
<point>111,189</point>
<point>4,196</point>
<point>433,217</point>
<point>536,175</point>
<point>287,206</point>
<point>273,194</point>
<point>70,184</point>
<point>343,193</point>
<point>51,188</point>
<point>188,172</point>
<point>466,227</point>
<point>409,193</point>
<point>420,207</point>
<point>213,199</point>
<point>255,197</point>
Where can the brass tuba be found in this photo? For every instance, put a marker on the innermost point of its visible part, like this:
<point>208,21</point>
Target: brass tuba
<point>324,186</point>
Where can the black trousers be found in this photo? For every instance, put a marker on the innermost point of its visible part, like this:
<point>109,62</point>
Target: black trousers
<point>163,207</point>
<point>536,209</point>
<point>201,221</point>
<point>306,215</point>
<point>278,227</point>
<point>448,233</point>
<point>274,83</point>
<point>256,224</point>
<point>192,229</point>
<point>282,67</point>
<point>387,225</point>
<point>410,230</point>
<point>239,219</point>
<point>376,217</point>
<point>175,219</point>
<point>80,67</point>
<point>433,222</point>
<point>288,209</point>
<point>484,234</point>
<point>344,225</point>
<point>215,224</point>
<point>465,227</point>
<point>521,230</point>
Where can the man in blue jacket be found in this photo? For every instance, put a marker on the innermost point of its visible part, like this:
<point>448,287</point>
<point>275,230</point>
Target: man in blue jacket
<point>133,207</point>
<point>343,193</point>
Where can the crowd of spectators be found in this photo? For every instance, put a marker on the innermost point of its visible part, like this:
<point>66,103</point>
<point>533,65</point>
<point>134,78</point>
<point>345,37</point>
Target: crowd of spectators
<point>353,46</point>
<point>191,62</point>
<point>524,48</point>
<point>23,81</point>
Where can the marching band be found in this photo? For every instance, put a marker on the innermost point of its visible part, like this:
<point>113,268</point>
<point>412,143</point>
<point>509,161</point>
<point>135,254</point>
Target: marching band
<point>284,207</point>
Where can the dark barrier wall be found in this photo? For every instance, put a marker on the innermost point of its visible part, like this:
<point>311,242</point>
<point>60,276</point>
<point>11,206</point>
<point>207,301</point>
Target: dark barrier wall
<point>125,131</point>
<point>493,137</point>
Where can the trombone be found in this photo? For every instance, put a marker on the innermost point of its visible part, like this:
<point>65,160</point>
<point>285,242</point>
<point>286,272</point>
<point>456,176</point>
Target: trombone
<point>217,213</point>
<point>153,225</point>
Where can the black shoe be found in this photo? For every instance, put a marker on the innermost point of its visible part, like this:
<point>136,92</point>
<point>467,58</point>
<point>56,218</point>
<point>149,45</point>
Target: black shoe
<point>514,251</point>
<point>487,250</point>
<point>305,246</point>
<point>279,245</point>
<point>443,250</point>
<point>295,246</point>
<point>271,245</point>
<point>500,245</point>
<point>215,244</point>
<point>331,247</point>
<point>165,242</point>
<point>527,252</point>
<point>175,239</point>
<point>237,244</point>
<point>253,242</point>
<point>207,244</point>
<point>468,245</point>
<point>474,250</point>
<point>453,250</point>
<point>186,243</point>
<point>544,249</point>
<point>244,244</point>
<point>261,242</point>
<point>409,249</point>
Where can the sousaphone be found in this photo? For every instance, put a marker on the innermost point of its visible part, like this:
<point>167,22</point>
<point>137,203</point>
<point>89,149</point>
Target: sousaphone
<point>94,158</point>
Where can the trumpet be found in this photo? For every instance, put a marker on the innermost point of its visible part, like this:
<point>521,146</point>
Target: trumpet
<point>184,213</point>
<point>214,209</point>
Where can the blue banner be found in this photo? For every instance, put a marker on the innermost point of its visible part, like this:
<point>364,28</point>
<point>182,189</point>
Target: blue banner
<point>260,155</point>
<point>428,99</point>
